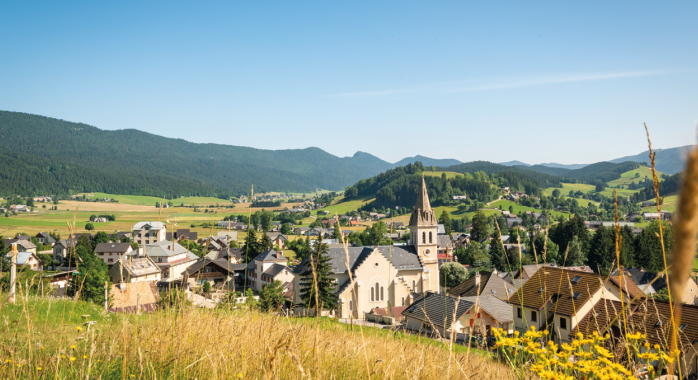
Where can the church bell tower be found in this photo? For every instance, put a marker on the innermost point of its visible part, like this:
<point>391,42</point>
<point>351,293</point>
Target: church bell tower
<point>423,230</point>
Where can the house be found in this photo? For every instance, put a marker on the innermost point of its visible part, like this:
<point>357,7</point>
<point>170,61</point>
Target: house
<point>395,312</point>
<point>133,297</point>
<point>444,245</point>
<point>464,316</point>
<point>233,255</point>
<point>60,250</point>
<point>22,245</point>
<point>648,203</point>
<point>60,282</point>
<point>218,271</point>
<point>277,239</point>
<point>583,268</point>
<point>511,221</point>
<point>112,252</point>
<point>229,236</point>
<point>30,260</point>
<point>460,197</point>
<point>227,224</point>
<point>650,282</point>
<point>45,239</point>
<point>329,222</point>
<point>354,223</point>
<point>42,199</point>
<point>484,284</point>
<point>149,232</point>
<point>19,208</point>
<point>557,299</point>
<point>182,234</point>
<point>395,225</point>
<point>268,267</point>
<point>123,234</point>
<point>384,273</point>
<point>170,257</point>
<point>134,269</point>
<point>302,230</point>
<point>651,215</point>
<point>100,219</point>
<point>526,272</point>
<point>594,225</point>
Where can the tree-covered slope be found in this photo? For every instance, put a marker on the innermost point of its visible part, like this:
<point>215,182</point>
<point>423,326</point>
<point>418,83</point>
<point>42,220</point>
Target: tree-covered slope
<point>142,155</point>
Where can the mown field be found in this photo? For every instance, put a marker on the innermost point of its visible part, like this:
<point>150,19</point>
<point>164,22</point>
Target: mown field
<point>518,209</point>
<point>339,206</point>
<point>438,174</point>
<point>628,177</point>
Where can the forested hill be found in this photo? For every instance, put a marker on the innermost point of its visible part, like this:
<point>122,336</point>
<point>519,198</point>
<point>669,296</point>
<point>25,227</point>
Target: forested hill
<point>129,158</point>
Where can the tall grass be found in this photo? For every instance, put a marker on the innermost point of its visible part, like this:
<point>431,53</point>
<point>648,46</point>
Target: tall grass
<point>47,338</point>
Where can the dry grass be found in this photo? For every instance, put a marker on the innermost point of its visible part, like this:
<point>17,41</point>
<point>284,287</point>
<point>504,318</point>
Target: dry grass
<point>218,344</point>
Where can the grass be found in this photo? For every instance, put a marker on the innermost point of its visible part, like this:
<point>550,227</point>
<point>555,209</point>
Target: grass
<point>339,206</point>
<point>628,177</point>
<point>518,209</point>
<point>218,344</point>
<point>584,188</point>
<point>449,175</point>
<point>669,204</point>
<point>150,201</point>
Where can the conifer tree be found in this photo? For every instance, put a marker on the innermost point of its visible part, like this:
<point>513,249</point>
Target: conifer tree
<point>251,247</point>
<point>265,243</point>
<point>320,281</point>
<point>445,219</point>
<point>480,227</point>
<point>271,297</point>
<point>497,252</point>
<point>337,234</point>
<point>602,250</point>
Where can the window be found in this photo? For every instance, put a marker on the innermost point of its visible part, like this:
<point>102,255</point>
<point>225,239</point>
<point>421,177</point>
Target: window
<point>351,305</point>
<point>424,237</point>
<point>208,270</point>
<point>382,294</point>
<point>377,292</point>
<point>430,237</point>
<point>494,291</point>
<point>542,289</point>
<point>576,295</point>
<point>403,301</point>
<point>414,285</point>
<point>534,316</point>
<point>518,312</point>
<point>563,323</point>
<point>372,294</point>
<point>576,279</point>
<point>658,324</point>
<point>683,326</point>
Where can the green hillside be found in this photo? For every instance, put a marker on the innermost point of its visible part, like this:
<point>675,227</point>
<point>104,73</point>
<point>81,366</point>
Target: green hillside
<point>117,157</point>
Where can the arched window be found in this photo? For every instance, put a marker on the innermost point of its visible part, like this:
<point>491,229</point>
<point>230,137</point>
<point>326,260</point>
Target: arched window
<point>429,237</point>
<point>377,294</point>
<point>403,301</point>
<point>372,295</point>
<point>424,237</point>
<point>414,285</point>
<point>351,305</point>
<point>382,299</point>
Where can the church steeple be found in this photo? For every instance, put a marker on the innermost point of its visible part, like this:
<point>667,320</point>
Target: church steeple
<point>422,214</point>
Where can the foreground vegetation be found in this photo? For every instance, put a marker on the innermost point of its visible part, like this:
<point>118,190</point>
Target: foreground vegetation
<point>48,338</point>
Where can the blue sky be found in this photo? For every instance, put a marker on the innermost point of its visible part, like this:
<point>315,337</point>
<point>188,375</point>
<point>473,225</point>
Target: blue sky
<point>568,82</point>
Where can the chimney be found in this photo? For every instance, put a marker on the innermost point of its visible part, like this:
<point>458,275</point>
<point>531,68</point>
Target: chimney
<point>477,279</point>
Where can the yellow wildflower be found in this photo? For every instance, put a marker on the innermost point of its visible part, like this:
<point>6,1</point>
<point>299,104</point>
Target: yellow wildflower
<point>72,358</point>
<point>73,347</point>
<point>78,328</point>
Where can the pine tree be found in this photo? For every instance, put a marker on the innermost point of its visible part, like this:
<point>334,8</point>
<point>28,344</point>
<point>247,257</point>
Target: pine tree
<point>265,243</point>
<point>497,252</point>
<point>337,233</point>
<point>320,281</point>
<point>445,219</point>
<point>480,227</point>
<point>90,281</point>
<point>602,250</point>
<point>271,297</point>
<point>648,248</point>
<point>575,254</point>
<point>251,247</point>
<point>4,260</point>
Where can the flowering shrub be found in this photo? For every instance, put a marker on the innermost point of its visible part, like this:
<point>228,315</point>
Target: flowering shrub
<point>584,358</point>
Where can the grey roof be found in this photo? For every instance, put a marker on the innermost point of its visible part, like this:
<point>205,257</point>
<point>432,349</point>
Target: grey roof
<point>641,278</point>
<point>402,257</point>
<point>222,263</point>
<point>270,255</point>
<point>22,257</point>
<point>149,226</point>
<point>112,247</point>
<point>438,309</point>
<point>441,229</point>
<point>490,285</point>
<point>164,248</point>
<point>275,269</point>
<point>496,308</point>
<point>444,241</point>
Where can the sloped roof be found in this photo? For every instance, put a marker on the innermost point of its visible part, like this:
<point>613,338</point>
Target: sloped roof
<point>270,255</point>
<point>135,294</point>
<point>137,267</point>
<point>630,287</point>
<point>444,241</point>
<point>112,247</point>
<point>165,249</point>
<point>490,284</point>
<point>222,263</point>
<point>22,257</point>
<point>551,284</point>
<point>275,269</point>
<point>495,307</point>
<point>402,257</point>
<point>394,311</point>
<point>438,309</point>
<point>149,225</point>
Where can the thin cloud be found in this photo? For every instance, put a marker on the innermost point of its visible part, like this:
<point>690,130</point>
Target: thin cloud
<point>454,87</point>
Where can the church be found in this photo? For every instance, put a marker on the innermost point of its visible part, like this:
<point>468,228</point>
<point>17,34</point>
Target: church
<point>383,274</point>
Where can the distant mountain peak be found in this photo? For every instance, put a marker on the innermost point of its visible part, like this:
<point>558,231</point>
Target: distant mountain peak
<point>514,163</point>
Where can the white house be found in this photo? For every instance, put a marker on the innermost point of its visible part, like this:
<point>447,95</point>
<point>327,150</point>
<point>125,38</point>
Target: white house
<point>268,267</point>
<point>149,232</point>
<point>172,258</point>
<point>130,270</point>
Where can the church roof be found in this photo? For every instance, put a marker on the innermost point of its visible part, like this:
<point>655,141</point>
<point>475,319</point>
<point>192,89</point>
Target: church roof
<point>402,257</point>
<point>422,213</point>
<point>423,197</point>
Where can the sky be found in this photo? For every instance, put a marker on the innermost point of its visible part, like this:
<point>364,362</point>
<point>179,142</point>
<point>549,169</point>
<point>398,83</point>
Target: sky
<point>565,82</point>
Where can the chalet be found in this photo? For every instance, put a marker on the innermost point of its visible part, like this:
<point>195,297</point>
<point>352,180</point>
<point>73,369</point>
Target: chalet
<point>484,284</point>
<point>268,267</point>
<point>30,260</point>
<point>464,316</point>
<point>218,271</point>
<point>557,299</point>
<point>277,239</point>
<point>112,252</point>
<point>45,239</point>
<point>22,245</point>
<point>60,250</point>
<point>170,257</point>
<point>651,282</point>
<point>149,232</point>
<point>302,230</point>
<point>131,270</point>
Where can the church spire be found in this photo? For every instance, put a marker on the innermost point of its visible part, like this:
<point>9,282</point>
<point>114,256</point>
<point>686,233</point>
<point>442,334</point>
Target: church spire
<point>423,197</point>
<point>422,214</point>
